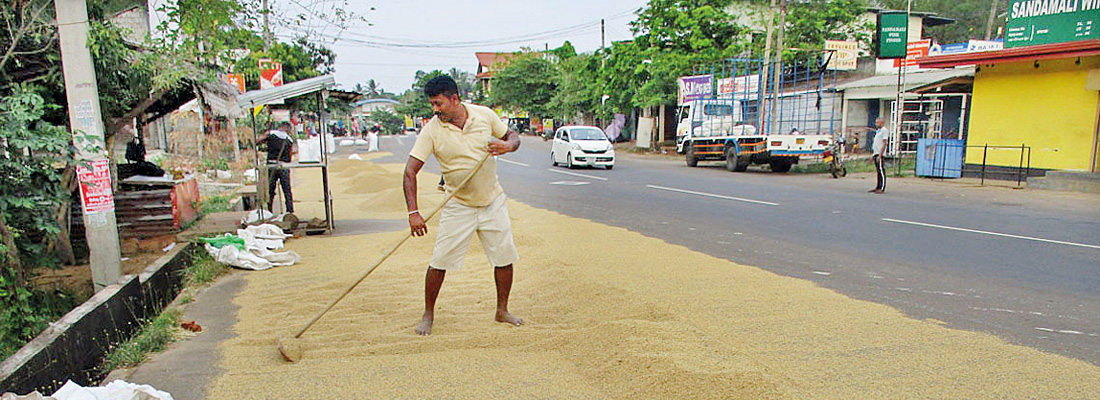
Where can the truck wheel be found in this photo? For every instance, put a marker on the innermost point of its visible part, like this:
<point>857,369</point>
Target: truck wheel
<point>731,158</point>
<point>690,157</point>
<point>735,162</point>
<point>780,165</point>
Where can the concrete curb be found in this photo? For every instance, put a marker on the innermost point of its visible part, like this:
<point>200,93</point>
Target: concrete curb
<point>74,346</point>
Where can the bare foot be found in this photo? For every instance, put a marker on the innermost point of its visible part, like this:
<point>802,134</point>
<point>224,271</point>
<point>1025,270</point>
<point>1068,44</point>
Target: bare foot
<point>508,318</point>
<point>424,328</point>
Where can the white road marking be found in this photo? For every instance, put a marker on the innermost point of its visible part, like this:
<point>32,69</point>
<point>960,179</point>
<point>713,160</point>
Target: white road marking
<point>717,196</point>
<point>576,174</point>
<point>513,162</point>
<point>823,273</point>
<point>992,233</point>
<point>569,183</point>
<point>398,140</point>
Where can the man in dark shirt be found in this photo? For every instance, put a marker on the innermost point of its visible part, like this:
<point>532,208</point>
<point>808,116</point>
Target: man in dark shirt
<point>280,146</point>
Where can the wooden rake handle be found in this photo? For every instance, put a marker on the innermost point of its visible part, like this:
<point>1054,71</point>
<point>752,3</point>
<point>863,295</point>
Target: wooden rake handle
<point>394,249</point>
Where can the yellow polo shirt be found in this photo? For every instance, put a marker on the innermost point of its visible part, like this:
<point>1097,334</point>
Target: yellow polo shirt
<point>459,150</point>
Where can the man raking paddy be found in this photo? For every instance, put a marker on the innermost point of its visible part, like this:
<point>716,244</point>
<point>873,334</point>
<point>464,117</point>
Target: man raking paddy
<point>459,136</point>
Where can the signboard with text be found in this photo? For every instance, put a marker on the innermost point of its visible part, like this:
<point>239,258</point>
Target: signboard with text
<point>271,74</point>
<point>1032,22</point>
<point>841,55</point>
<point>695,87</point>
<point>95,186</point>
<point>914,51</point>
<point>742,87</point>
<point>892,34</point>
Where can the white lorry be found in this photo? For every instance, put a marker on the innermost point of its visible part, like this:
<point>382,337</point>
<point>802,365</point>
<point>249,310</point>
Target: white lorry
<point>716,130</point>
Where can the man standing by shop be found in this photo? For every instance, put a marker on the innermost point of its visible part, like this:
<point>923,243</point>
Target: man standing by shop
<point>280,146</point>
<point>459,136</point>
<point>878,151</point>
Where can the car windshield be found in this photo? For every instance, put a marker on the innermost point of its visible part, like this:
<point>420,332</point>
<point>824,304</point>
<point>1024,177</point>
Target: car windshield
<point>587,134</point>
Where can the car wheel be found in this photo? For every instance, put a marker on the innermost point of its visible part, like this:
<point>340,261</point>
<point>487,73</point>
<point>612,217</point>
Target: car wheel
<point>610,166</point>
<point>569,160</point>
<point>553,161</point>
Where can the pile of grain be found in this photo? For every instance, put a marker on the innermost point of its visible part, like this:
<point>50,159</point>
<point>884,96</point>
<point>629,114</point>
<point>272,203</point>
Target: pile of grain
<point>611,314</point>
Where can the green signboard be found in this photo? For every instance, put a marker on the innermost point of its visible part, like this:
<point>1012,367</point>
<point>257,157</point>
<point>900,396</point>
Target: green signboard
<point>892,34</point>
<point>1032,22</point>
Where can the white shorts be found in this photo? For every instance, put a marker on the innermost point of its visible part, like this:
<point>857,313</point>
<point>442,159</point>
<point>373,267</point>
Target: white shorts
<point>457,226</point>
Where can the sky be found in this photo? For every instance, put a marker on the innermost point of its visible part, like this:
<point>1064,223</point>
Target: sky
<point>405,36</point>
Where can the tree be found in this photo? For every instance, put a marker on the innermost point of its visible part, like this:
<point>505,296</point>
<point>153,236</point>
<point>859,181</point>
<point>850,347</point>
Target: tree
<point>464,80</point>
<point>372,89</point>
<point>32,191</point>
<point>810,23</point>
<point>391,123</point>
<point>579,90</point>
<point>527,83</point>
<point>413,101</point>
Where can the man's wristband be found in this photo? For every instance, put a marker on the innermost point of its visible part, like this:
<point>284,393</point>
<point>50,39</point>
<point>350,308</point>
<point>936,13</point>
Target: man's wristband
<point>413,212</point>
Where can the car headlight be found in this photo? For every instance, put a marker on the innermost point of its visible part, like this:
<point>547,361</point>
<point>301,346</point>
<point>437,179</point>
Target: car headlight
<point>575,146</point>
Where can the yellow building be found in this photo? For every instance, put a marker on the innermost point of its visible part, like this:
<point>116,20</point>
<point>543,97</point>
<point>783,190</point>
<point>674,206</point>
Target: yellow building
<point>1046,97</point>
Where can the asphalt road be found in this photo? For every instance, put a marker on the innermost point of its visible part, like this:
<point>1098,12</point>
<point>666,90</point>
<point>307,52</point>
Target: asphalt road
<point>1023,265</point>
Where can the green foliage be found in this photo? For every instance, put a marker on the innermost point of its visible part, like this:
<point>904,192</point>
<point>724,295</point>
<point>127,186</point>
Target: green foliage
<point>25,311</point>
<point>122,78</point>
<point>810,23</point>
<point>216,203</point>
<point>527,83</point>
<point>391,123</point>
<point>413,101</point>
<point>688,26</point>
<point>579,89</point>
<point>300,59</point>
<point>32,188</point>
<point>153,337</point>
<point>203,269</point>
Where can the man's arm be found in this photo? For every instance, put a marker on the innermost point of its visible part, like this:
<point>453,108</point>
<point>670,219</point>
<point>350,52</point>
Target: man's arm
<point>508,144</point>
<point>416,221</point>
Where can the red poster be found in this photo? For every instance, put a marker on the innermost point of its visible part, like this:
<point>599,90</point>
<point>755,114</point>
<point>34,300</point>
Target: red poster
<point>95,186</point>
<point>914,51</point>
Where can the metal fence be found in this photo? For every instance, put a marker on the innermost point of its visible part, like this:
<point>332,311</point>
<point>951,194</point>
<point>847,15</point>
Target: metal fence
<point>941,153</point>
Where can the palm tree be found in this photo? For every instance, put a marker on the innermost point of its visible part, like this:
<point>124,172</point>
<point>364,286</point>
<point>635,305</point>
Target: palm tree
<point>373,89</point>
<point>464,81</point>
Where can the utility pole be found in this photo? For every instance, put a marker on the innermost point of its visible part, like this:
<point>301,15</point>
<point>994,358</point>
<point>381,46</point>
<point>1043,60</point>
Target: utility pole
<point>602,35</point>
<point>765,96</point>
<point>992,17</point>
<point>267,27</point>
<point>778,64</point>
<point>86,123</point>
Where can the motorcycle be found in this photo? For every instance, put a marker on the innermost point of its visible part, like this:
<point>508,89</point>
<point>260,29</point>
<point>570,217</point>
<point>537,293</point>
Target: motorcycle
<point>833,159</point>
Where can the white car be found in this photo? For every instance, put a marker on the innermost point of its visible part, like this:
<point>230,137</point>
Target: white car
<point>582,145</point>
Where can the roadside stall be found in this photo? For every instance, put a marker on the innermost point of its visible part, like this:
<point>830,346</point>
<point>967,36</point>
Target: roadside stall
<point>319,87</point>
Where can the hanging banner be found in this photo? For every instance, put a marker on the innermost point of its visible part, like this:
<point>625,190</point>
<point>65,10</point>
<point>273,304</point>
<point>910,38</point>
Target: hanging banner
<point>1032,22</point>
<point>841,55</point>
<point>95,186</point>
<point>892,34</point>
<point>695,87</point>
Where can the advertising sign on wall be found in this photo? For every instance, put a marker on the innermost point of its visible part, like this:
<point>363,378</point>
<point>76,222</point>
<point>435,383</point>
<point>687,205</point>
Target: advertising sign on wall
<point>236,80</point>
<point>1032,22</point>
<point>892,34</point>
<point>742,87</point>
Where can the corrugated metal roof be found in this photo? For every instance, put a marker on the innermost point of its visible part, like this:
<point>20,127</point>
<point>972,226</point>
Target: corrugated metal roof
<point>912,79</point>
<point>257,98</point>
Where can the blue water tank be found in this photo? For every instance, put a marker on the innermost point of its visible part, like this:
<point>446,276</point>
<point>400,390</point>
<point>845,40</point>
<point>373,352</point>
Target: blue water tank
<point>940,158</point>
